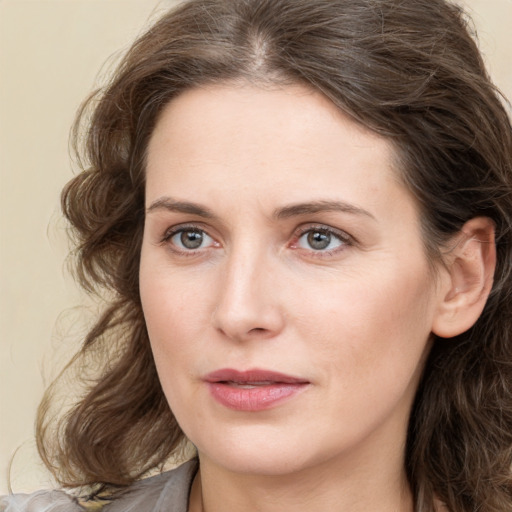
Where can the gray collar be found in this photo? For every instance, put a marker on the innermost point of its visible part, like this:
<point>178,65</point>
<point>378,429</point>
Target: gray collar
<point>167,492</point>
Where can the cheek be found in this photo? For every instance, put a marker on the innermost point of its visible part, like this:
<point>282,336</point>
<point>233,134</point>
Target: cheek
<point>169,316</point>
<point>169,296</point>
<point>370,330</point>
<point>167,321</point>
<point>175,314</point>
<point>176,323</point>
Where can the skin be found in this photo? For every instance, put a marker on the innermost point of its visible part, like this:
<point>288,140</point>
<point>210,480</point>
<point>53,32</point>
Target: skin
<point>353,319</point>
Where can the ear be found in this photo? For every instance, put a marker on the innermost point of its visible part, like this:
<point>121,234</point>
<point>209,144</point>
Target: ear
<point>466,286</point>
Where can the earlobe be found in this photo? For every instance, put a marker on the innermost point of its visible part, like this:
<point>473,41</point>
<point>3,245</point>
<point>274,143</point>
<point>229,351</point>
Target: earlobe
<point>468,280</point>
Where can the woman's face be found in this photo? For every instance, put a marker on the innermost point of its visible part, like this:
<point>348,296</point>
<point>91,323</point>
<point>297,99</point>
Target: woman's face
<point>284,282</point>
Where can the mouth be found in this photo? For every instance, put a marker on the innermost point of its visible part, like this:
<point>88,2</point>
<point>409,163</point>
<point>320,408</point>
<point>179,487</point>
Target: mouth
<point>253,390</point>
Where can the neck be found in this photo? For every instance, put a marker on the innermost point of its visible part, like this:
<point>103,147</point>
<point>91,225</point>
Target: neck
<point>334,486</point>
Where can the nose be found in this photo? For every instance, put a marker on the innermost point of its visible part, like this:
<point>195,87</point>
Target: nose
<point>248,305</point>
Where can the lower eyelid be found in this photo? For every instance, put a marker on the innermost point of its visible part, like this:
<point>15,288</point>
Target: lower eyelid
<point>166,240</point>
<point>345,241</point>
<point>343,238</point>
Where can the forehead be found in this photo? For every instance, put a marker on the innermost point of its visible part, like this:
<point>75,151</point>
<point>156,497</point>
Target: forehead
<point>262,136</point>
<point>237,108</point>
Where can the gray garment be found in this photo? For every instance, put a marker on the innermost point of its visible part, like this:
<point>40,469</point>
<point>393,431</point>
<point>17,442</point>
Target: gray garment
<point>167,492</point>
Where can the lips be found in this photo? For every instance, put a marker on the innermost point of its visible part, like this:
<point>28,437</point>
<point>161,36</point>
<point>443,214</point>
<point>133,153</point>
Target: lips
<point>253,390</point>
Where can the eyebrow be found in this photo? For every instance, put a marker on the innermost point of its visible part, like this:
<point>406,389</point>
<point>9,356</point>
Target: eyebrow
<point>298,209</point>
<point>169,204</point>
<point>293,210</point>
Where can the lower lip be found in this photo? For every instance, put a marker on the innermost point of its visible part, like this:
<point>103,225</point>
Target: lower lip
<point>257,398</point>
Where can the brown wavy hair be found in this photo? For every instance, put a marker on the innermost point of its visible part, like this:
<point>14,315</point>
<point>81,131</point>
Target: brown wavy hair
<point>409,70</point>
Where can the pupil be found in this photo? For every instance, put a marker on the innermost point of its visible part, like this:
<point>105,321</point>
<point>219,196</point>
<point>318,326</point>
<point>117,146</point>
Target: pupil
<point>318,240</point>
<point>191,239</point>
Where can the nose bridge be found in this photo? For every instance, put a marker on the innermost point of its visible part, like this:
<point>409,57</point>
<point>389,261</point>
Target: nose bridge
<point>247,304</point>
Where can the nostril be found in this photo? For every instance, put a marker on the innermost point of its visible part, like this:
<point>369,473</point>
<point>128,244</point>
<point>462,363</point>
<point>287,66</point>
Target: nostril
<point>257,329</point>
<point>240,316</point>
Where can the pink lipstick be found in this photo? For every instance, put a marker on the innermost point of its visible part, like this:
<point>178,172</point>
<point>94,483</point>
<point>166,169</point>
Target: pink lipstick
<point>252,390</point>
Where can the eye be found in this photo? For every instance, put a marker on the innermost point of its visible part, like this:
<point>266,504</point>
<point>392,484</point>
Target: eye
<point>321,240</point>
<point>189,239</point>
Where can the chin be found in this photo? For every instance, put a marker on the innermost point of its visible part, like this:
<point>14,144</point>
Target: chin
<point>249,463</point>
<point>257,454</point>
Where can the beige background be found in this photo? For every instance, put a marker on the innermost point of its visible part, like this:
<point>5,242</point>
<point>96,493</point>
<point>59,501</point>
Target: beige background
<point>51,55</point>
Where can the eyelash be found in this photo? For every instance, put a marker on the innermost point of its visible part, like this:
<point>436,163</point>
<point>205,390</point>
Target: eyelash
<point>344,239</point>
<point>176,230</point>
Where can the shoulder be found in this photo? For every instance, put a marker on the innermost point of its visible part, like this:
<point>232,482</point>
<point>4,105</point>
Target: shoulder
<point>165,492</point>
<point>41,501</point>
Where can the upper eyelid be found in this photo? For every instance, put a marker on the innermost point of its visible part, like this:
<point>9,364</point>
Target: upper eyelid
<point>296,232</point>
<point>341,233</point>
<point>186,226</point>
<point>171,232</point>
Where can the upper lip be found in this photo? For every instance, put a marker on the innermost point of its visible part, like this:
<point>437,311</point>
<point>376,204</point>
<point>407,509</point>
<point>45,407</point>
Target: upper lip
<point>252,376</point>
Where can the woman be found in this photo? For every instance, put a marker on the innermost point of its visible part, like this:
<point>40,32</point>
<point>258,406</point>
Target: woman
<point>300,213</point>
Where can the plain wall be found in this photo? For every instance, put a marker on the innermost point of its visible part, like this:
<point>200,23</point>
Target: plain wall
<point>51,52</point>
